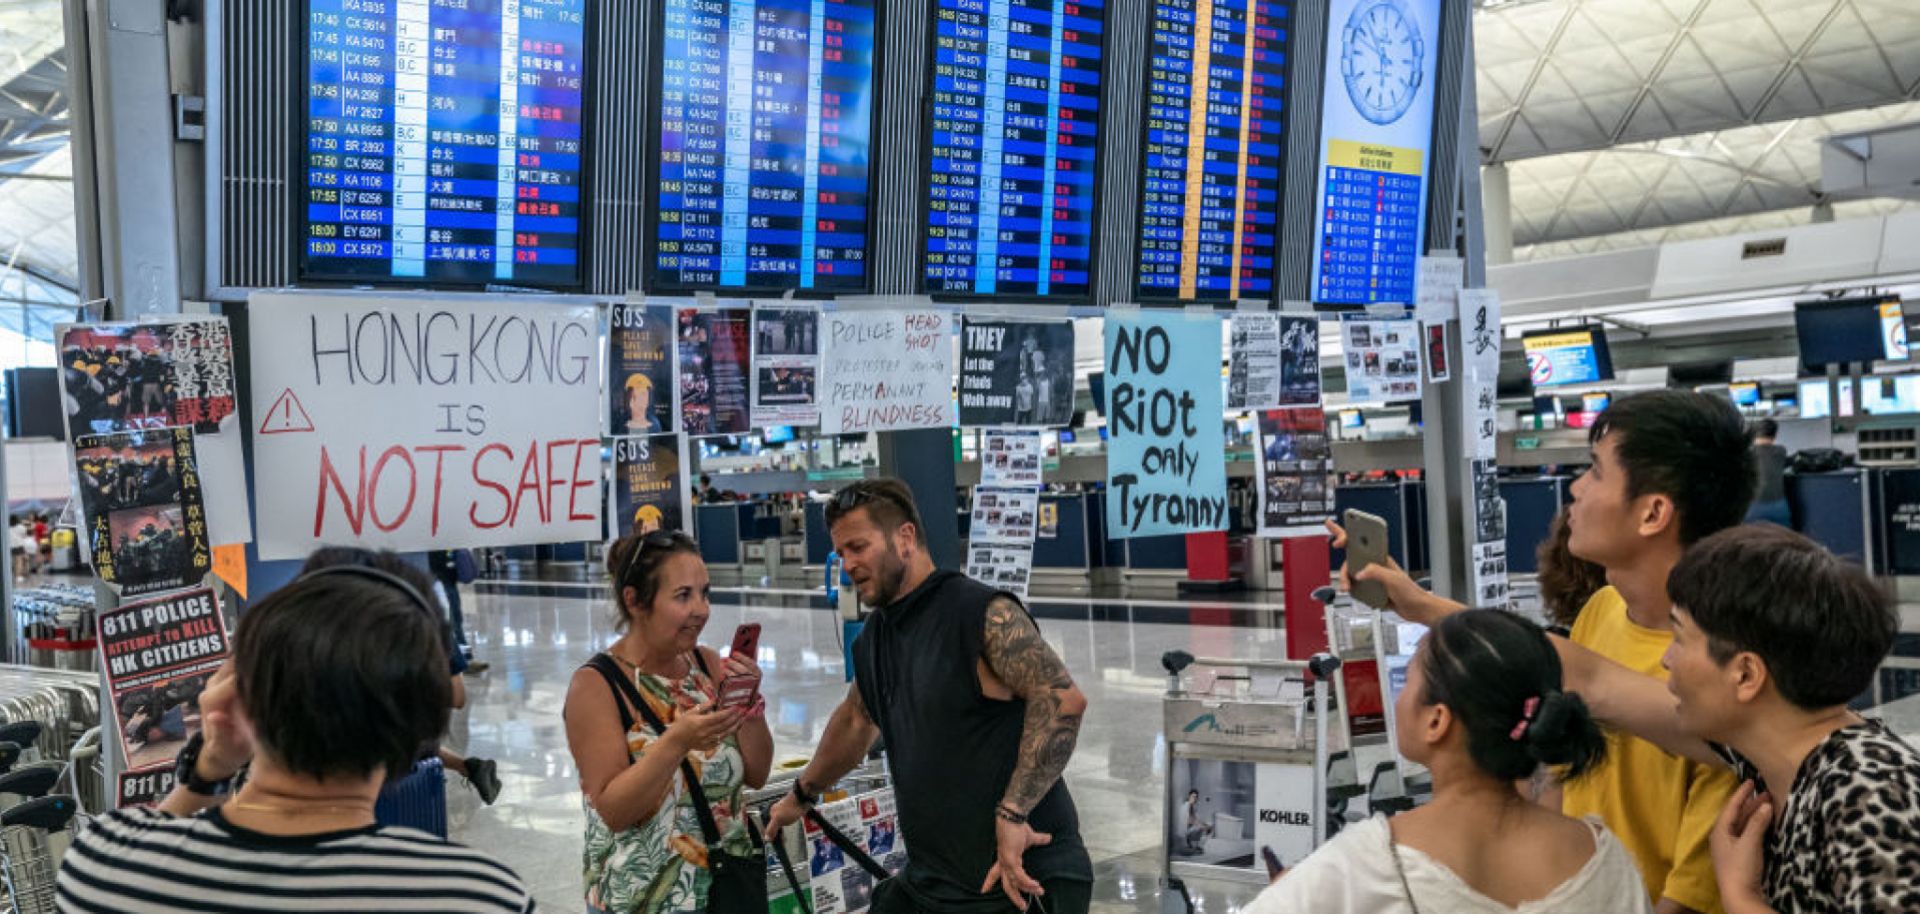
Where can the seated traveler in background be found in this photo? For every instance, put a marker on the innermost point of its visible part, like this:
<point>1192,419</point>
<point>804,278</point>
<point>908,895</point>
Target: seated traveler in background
<point>1773,636</point>
<point>646,851</point>
<point>1770,461</point>
<point>337,681</point>
<point>1482,708</point>
<point>483,775</point>
<point>1668,469</point>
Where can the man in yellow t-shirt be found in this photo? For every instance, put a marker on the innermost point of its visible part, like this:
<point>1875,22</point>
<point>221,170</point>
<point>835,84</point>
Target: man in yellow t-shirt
<point>1660,806</point>
<point>1669,468</point>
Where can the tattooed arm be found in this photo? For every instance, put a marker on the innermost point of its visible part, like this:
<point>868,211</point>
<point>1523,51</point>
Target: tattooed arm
<point>1029,669</point>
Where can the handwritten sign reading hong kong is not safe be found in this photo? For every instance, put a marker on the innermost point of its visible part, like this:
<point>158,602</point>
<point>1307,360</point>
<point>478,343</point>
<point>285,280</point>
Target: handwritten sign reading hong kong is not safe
<point>1166,453</point>
<point>424,422</point>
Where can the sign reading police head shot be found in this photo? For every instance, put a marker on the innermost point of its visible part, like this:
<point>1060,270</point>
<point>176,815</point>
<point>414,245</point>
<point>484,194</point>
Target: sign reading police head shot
<point>424,422</point>
<point>1166,450</point>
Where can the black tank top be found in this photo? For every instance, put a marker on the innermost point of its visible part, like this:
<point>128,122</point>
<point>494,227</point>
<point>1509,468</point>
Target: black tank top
<point>951,749</point>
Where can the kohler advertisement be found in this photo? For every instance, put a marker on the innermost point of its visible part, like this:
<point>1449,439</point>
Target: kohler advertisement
<point>1240,815</point>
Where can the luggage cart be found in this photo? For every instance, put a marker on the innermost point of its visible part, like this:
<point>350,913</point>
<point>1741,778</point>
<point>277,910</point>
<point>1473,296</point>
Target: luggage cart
<point>34,835</point>
<point>1247,759</point>
<point>858,785</point>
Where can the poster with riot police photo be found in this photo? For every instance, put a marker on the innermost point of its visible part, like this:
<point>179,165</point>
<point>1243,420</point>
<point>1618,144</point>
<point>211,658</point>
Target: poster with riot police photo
<point>786,365</point>
<point>1299,360</point>
<point>158,656</point>
<point>1015,373</point>
<point>121,377</point>
<point>640,354</point>
<point>649,489</point>
<point>146,523</point>
<point>715,353</point>
<point>1296,460</point>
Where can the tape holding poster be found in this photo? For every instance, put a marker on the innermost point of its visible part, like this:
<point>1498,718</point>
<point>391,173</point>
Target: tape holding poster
<point>486,431</point>
<point>158,656</point>
<point>1015,373</point>
<point>886,371</point>
<point>715,352</point>
<point>786,366</point>
<point>650,490</point>
<point>1166,456</point>
<point>145,519</point>
<point>125,377</point>
<point>640,370</point>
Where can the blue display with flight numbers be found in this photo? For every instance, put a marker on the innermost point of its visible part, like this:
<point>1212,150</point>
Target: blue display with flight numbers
<point>444,142</point>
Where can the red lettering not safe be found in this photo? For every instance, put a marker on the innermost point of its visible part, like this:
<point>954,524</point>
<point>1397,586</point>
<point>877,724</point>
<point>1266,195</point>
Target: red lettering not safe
<point>387,488</point>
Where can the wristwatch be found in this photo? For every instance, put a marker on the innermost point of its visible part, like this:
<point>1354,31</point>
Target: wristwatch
<point>183,773</point>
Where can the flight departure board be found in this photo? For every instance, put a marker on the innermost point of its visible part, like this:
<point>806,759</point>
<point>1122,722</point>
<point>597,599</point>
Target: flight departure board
<point>1210,197</point>
<point>766,113</point>
<point>1013,142</point>
<point>444,141</point>
<point>1376,136</point>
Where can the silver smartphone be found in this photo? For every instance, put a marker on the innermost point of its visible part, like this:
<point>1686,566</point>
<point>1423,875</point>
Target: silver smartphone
<point>1366,545</point>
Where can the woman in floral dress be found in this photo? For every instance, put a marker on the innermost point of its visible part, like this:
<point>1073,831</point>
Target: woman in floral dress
<point>645,851</point>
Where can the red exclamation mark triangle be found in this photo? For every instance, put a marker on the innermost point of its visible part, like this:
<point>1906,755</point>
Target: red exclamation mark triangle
<point>287,415</point>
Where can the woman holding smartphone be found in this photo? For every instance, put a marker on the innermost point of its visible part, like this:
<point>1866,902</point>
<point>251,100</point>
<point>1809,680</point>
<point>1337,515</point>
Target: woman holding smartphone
<point>637,711</point>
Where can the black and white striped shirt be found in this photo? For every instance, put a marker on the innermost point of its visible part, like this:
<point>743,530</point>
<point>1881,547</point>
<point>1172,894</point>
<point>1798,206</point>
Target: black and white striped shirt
<point>142,860</point>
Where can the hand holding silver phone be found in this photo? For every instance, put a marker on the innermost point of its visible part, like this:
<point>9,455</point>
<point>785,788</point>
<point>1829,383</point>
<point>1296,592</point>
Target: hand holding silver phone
<point>1366,545</point>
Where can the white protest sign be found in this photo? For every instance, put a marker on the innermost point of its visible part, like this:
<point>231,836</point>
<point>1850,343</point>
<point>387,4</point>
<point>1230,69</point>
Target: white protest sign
<point>424,421</point>
<point>1436,302</point>
<point>886,371</point>
<point>1480,358</point>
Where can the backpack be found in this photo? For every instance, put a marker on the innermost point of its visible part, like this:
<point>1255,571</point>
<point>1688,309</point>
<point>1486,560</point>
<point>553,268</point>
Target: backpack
<point>1819,460</point>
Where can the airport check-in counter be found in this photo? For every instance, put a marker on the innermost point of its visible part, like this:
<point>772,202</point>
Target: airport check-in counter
<point>1531,506</point>
<point>1073,554</point>
<point>1838,511</point>
<point>732,537</point>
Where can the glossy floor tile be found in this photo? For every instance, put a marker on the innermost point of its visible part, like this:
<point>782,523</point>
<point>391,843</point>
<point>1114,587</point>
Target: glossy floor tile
<point>534,642</point>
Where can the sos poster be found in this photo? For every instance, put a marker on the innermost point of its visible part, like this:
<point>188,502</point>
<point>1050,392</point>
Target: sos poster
<point>649,487</point>
<point>640,377</point>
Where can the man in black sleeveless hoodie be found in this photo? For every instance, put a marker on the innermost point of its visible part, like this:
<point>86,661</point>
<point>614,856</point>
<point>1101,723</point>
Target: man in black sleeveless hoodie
<point>980,717</point>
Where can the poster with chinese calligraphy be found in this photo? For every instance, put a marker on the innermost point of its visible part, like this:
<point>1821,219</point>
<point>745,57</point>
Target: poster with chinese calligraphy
<point>123,377</point>
<point>141,497</point>
<point>1480,365</point>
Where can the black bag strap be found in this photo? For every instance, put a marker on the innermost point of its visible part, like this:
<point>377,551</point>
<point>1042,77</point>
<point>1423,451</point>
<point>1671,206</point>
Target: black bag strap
<point>786,866</point>
<point>610,670</point>
<point>846,844</point>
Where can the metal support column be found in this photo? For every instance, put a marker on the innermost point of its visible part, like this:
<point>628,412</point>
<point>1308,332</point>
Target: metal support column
<point>1454,225</point>
<point>923,459</point>
<point>1496,202</point>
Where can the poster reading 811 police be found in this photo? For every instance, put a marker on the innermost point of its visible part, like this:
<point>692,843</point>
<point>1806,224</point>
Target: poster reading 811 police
<point>1376,131</point>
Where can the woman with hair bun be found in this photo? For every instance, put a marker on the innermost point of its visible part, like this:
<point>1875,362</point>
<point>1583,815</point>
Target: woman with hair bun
<point>1482,708</point>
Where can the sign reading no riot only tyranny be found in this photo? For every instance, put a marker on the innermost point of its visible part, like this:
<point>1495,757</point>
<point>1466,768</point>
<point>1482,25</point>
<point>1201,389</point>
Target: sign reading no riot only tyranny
<point>1166,454</point>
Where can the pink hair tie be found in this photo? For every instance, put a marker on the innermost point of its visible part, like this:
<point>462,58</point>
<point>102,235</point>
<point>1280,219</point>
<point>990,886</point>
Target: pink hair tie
<point>1526,718</point>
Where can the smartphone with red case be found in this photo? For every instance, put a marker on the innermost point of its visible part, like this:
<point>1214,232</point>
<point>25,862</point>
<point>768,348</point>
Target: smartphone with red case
<point>738,691</point>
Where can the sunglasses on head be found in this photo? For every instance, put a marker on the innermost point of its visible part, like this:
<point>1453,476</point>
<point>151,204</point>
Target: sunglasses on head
<point>854,496</point>
<point>658,539</point>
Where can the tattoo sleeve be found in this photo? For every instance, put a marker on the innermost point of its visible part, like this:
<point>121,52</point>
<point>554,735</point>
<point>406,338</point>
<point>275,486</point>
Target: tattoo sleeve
<point>1016,654</point>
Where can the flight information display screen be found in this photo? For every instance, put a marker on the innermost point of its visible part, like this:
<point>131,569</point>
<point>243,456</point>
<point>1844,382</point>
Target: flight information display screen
<point>1376,143</point>
<point>1210,198</point>
<point>765,118</point>
<point>444,141</point>
<point>1012,147</point>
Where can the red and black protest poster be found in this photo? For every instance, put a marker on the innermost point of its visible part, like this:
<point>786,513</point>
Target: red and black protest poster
<point>158,656</point>
<point>146,520</point>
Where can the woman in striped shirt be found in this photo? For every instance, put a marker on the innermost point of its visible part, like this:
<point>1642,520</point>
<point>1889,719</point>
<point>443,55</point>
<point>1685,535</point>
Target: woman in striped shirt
<point>336,683</point>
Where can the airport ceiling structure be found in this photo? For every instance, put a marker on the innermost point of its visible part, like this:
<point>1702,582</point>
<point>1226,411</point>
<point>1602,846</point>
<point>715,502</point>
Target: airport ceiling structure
<point>1621,123</point>
<point>1624,123</point>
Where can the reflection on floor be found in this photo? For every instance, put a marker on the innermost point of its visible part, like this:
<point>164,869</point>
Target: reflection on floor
<point>534,643</point>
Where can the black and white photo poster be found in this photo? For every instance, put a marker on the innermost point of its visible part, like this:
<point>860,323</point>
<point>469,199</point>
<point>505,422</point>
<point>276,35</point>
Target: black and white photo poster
<point>1480,366</point>
<point>1253,362</point>
<point>786,365</point>
<point>1016,373</point>
<point>1000,544</point>
<point>146,520</point>
<point>1296,496</point>
<point>1011,457</point>
<point>1299,360</point>
<point>1383,358</point>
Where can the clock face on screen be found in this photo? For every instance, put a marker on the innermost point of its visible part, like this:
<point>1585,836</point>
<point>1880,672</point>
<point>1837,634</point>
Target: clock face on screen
<point>1380,58</point>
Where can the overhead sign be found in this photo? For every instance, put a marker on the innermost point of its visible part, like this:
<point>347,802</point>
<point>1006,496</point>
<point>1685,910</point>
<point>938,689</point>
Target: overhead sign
<point>437,422</point>
<point>1166,453</point>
